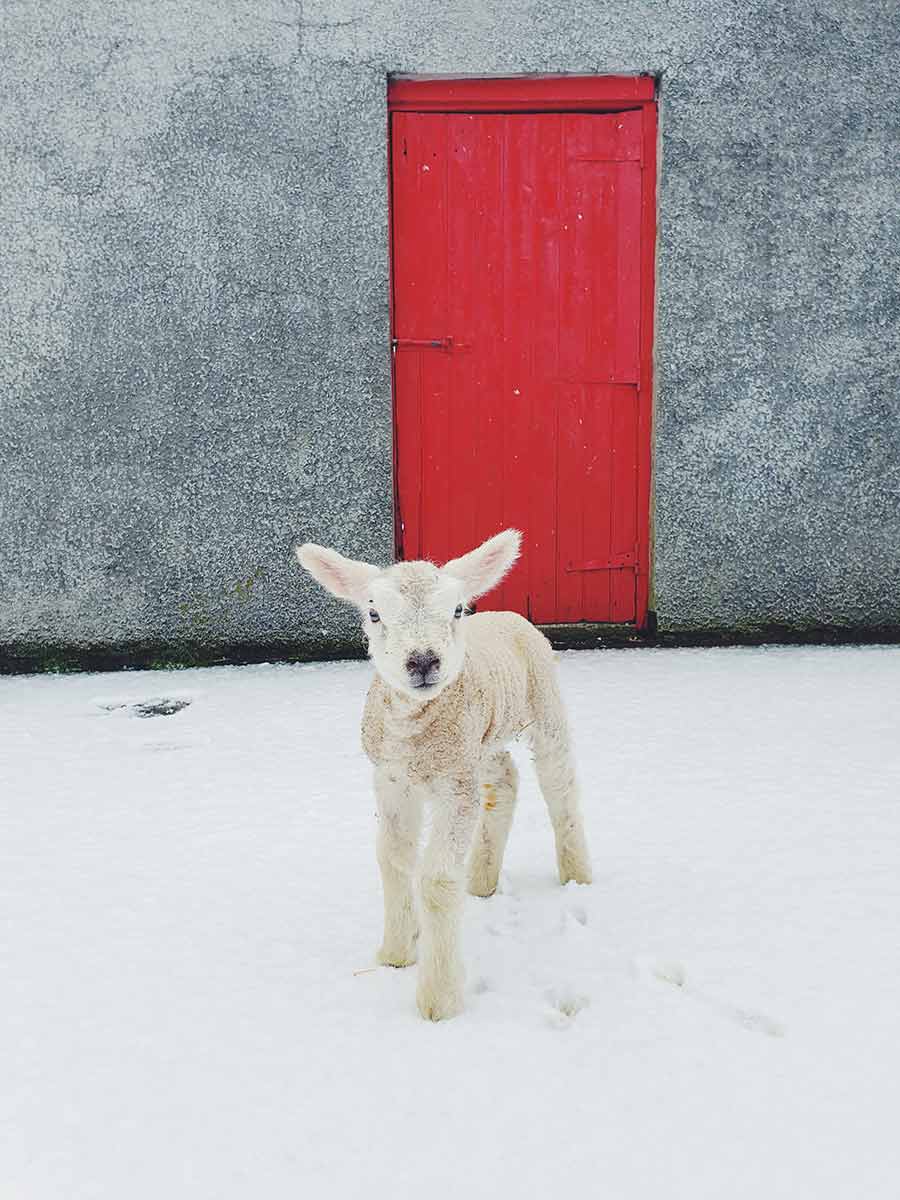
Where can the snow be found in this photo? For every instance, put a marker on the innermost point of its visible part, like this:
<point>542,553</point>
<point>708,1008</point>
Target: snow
<point>189,905</point>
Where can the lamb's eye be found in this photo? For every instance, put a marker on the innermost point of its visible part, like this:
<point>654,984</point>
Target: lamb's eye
<point>373,616</point>
<point>459,611</point>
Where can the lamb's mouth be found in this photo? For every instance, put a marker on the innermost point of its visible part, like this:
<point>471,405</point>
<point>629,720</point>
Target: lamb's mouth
<point>423,685</point>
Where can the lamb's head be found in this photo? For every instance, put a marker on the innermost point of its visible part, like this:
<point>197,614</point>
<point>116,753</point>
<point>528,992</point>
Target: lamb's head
<point>413,612</point>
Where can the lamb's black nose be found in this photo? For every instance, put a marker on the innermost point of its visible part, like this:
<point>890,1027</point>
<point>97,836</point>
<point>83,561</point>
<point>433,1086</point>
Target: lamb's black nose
<point>422,666</point>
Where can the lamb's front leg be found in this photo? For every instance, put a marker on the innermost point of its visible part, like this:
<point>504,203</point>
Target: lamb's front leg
<point>443,887</point>
<point>397,846</point>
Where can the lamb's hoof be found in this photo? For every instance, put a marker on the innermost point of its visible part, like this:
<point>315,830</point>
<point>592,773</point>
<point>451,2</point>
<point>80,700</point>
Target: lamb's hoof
<point>438,1005</point>
<point>482,885</point>
<point>575,872</point>
<point>481,891</point>
<point>396,956</point>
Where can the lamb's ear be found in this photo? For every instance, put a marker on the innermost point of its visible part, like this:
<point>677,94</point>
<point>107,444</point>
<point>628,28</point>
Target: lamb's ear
<point>343,577</point>
<point>482,569</point>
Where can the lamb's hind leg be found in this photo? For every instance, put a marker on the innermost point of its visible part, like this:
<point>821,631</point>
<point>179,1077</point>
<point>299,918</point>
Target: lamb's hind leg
<point>499,786</point>
<point>555,765</point>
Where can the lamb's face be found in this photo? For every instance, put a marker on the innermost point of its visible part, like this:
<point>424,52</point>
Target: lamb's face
<point>414,623</point>
<point>413,613</point>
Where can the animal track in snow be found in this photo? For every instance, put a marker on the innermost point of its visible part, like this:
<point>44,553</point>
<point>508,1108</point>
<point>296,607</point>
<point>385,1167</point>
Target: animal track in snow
<point>505,888</point>
<point>756,1022</point>
<point>505,911</point>
<point>565,1003</point>
<point>505,923</point>
<point>578,913</point>
<point>157,747</point>
<point>674,973</point>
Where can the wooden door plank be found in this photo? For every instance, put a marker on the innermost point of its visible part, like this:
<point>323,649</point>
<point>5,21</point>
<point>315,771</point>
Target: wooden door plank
<point>545,284</point>
<point>623,402</point>
<point>570,506</point>
<point>597,508</point>
<point>420,309</point>
<point>627,271</point>
<point>475,252</point>
<point>408,451</point>
<point>645,395</point>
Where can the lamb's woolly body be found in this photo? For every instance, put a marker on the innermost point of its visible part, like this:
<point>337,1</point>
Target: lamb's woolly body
<point>438,736</point>
<point>508,666</point>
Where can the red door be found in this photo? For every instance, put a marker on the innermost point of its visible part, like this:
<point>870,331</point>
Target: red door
<point>522,249</point>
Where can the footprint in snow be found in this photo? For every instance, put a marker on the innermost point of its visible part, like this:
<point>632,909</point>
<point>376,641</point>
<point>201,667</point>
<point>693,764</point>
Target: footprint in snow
<point>505,888</point>
<point>159,747</point>
<point>564,1004</point>
<point>674,973</point>
<point>507,922</point>
<point>577,912</point>
<point>505,910</point>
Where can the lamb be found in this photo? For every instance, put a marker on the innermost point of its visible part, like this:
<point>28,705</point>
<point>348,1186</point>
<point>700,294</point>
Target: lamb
<point>451,690</point>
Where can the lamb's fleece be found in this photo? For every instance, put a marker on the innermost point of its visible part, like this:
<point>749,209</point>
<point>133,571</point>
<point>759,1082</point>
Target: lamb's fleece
<point>509,665</point>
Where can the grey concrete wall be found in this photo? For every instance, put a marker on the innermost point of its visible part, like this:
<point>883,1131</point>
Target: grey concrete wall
<point>193,351</point>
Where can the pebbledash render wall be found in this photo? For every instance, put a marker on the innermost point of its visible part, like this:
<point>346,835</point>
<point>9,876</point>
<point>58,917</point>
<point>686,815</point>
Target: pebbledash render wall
<point>194,332</point>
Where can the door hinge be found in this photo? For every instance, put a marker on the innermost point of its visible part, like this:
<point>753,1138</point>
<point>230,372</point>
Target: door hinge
<point>613,563</point>
<point>444,343</point>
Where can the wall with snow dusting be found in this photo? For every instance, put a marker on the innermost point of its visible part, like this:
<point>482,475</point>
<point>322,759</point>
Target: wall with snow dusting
<point>194,340</point>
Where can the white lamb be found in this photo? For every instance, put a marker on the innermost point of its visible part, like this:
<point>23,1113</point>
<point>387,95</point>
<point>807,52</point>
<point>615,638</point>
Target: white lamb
<point>450,692</point>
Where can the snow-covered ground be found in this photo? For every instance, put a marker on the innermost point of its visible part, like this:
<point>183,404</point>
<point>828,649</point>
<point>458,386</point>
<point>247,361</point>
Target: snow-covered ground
<point>189,905</point>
